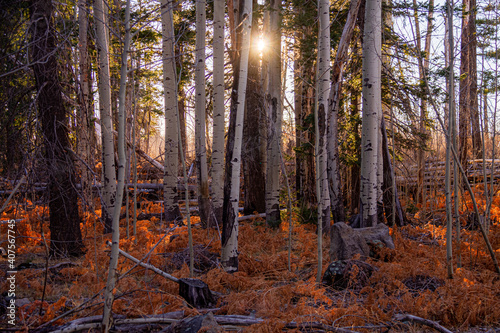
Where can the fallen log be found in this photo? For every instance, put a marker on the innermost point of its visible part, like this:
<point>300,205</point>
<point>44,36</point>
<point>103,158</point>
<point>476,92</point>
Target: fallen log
<point>194,291</point>
<point>94,322</point>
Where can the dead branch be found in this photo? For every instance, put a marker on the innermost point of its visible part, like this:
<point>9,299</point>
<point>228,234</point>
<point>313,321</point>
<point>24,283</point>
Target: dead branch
<point>12,194</point>
<point>145,265</point>
<point>427,322</point>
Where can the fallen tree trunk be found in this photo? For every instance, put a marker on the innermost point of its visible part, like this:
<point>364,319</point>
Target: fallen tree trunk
<point>94,322</point>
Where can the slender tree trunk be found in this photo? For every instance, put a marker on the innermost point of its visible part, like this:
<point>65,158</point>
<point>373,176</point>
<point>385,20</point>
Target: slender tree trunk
<point>320,124</point>
<point>392,205</point>
<point>309,198</point>
<point>355,103</point>
<point>85,115</point>
<point>423,72</point>
<point>218,112</point>
<point>477,144</point>
<point>464,91</point>
<point>449,143</point>
<point>298,100</point>
<point>181,107</point>
<point>253,171</point>
<point>104,86</point>
<point>229,255</point>
<point>200,135</point>
<point>171,196</point>
<point>335,188</point>
<point>274,114</point>
<point>371,112</point>
<point>65,234</point>
<point>122,161</point>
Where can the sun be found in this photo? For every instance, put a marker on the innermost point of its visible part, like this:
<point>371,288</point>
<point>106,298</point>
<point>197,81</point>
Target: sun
<point>261,44</point>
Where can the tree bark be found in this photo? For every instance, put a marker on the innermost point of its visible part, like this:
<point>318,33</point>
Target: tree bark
<point>321,124</point>
<point>372,107</point>
<point>85,128</point>
<point>468,104</point>
<point>65,234</point>
<point>253,167</point>
<point>200,113</point>
<point>389,191</point>
<point>477,144</point>
<point>171,196</point>
<point>334,181</point>
<point>274,115</point>
<point>122,160</point>
<point>229,255</point>
<point>321,115</point>
<point>298,100</point>
<point>104,87</point>
<point>423,69</point>
<point>218,112</point>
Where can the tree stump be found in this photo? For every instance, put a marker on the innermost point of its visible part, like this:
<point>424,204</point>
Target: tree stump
<point>348,242</point>
<point>342,274</point>
<point>196,293</point>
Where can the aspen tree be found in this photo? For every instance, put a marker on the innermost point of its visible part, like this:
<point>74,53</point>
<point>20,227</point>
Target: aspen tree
<point>200,113</point>
<point>85,111</point>
<point>274,115</point>
<point>229,255</point>
<point>104,87</point>
<point>122,160</point>
<point>423,69</point>
<point>372,108</point>
<point>218,112</point>
<point>322,94</point>
<point>171,196</point>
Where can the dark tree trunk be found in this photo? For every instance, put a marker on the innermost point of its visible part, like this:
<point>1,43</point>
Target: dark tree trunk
<point>464,92</point>
<point>252,158</point>
<point>308,200</point>
<point>477,146</point>
<point>355,169</point>
<point>299,170</point>
<point>387,189</point>
<point>65,234</point>
<point>182,120</point>
<point>228,218</point>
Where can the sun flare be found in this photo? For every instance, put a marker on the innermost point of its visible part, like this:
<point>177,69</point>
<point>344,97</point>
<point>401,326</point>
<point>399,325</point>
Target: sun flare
<point>261,44</point>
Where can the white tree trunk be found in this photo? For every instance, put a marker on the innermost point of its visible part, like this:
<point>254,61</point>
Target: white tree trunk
<point>122,161</point>
<point>321,123</point>
<point>171,195</point>
<point>104,86</point>
<point>200,134</point>
<point>229,255</point>
<point>218,112</point>
<point>274,115</point>
<point>372,108</point>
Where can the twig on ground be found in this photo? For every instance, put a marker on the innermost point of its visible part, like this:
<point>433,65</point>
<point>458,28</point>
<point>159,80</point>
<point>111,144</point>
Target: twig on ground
<point>423,321</point>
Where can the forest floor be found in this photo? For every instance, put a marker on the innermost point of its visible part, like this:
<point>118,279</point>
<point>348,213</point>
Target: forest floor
<point>412,279</point>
